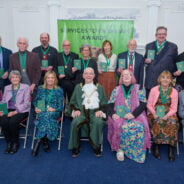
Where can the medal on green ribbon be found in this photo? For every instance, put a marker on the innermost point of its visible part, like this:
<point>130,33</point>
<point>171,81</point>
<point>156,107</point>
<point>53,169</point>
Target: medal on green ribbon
<point>159,48</point>
<point>162,96</point>
<point>13,93</point>
<point>45,52</point>
<point>66,60</point>
<point>126,95</point>
<point>22,58</point>
<point>85,64</point>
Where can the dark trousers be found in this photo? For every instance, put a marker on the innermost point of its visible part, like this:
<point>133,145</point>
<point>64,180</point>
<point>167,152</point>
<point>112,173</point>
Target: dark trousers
<point>68,86</point>
<point>10,126</point>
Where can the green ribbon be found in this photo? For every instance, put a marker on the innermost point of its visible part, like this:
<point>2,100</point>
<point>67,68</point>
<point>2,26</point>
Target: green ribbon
<point>162,96</point>
<point>131,60</point>
<point>45,52</point>
<point>0,49</point>
<point>108,61</point>
<point>126,95</point>
<point>22,58</point>
<point>159,48</point>
<point>65,59</point>
<point>13,93</point>
<point>87,63</point>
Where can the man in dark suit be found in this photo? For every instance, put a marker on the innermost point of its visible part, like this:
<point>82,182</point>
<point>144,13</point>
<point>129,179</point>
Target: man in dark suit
<point>4,65</point>
<point>165,54</point>
<point>66,59</point>
<point>133,61</point>
<point>46,53</point>
<point>27,63</point>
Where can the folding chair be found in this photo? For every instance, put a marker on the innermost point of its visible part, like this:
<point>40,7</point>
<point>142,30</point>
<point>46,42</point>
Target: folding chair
<point>60,135</point>
<point>23,124</point>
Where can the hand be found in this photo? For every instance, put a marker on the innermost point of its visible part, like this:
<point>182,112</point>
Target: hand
<point>164,118</point>
<point>37,110</point>
<point>115,117</point>
<point>32,88</point>
<point>129,116</point>
<point>1,113</point>
<point>12,113</point>
<point>44,69</point>
<point>61,76</point>
<point>5,76</point>
<point>49,68</point>
<point>50,109</point>
<point>155,116</point>
<point>99,114</point>
<point>177,73</point>
<point>100,71</point>
<point>119,70</point>
<point>147,60</point>
<point>76,113</point>
<point>74,69</point>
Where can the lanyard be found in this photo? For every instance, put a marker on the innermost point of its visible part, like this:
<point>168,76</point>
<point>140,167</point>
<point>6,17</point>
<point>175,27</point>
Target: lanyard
<point>65,59</point>
<point>162,96</point>
<point>87,63</point>
<point>108,60</point>
<point>159,48</point>
<point>14,94</point>
<point>126,95</point>
<point>45,52</point>
<point>0,49</point>
<point>22,58</point>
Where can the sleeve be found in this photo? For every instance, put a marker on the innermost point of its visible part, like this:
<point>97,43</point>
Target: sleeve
<point>181,104</point>
<point>73,100</point>
<point>37,69</point>
<point>38,96</point>
<point>150,104</point>
<point>113,96</point>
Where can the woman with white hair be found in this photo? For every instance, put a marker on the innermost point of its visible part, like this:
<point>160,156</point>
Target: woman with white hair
<point>17,100</point>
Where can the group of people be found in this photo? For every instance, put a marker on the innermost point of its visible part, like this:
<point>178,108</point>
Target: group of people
<point>41,79</point>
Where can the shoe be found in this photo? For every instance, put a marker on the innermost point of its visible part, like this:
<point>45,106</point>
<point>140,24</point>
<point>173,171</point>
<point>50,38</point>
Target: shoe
<point>36,148</point>
<point>46,147</point>
<point>75,153</point>
<point>8,148</point>
<point>14,148</point>
<point>120,155</point>
<point>171,154</point>
<point>156,151</point>
<point>97,152</point>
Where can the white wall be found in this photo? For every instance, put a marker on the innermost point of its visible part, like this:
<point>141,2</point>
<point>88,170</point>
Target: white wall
<point>31,17</point>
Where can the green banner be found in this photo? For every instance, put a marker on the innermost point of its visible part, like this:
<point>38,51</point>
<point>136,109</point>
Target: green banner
<point>94,32</point>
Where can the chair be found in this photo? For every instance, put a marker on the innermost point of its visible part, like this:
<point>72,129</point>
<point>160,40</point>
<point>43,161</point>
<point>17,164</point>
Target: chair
<point>23,124</point>
<point>60,135</point>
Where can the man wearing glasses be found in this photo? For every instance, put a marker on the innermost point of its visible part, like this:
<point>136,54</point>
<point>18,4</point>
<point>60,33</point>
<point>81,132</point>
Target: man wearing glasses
<point>160,55</point>
<point>66,75</point>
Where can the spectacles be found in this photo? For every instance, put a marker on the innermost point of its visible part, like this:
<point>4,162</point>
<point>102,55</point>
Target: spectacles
<point>66,45</point>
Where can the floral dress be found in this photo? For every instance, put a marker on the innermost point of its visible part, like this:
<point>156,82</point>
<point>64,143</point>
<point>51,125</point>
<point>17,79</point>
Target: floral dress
<point>132,133</point>
<point>164,132</point>
<point>46,123</point>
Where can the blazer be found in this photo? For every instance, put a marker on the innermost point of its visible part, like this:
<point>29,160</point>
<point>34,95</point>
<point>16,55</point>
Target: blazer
<point>33,66</point>
<point>165,60</point>
<point>153,98</point>
<point>22,97</point>
<point>138,66</point>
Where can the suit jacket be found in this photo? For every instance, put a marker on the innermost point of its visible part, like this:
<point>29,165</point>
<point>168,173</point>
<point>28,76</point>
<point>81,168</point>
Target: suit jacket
<point>33,67</point>
<point>51,55</point>
<point>6,54</point>
<point>165,60</point>
<point>138,66</point>
<point>68,70</point>
<point>153,98</point>
<point>22,97</point>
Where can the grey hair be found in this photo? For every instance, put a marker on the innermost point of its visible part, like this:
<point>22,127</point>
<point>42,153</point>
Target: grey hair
<point>83,46</point>
<point>14,72</point>
<point>27,42</point>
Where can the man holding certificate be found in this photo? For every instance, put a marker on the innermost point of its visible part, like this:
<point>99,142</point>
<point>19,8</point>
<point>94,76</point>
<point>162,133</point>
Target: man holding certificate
<point>47,55</point>
<point>159,56</point>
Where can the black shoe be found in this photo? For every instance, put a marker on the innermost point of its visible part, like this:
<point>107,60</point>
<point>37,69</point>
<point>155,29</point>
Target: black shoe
<point>46,147</point>
<point>97,152</point>
<point>14,148</point>
<point>156,151</point>
<point>8,148</point>
<point>171,154</point>
<point>75,152</point>
<point>36,148</point>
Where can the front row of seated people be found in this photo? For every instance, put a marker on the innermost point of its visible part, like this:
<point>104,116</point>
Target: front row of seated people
<point>128,133</point>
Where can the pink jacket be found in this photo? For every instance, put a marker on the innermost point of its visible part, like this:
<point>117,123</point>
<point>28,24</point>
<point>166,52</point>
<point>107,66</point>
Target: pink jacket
<point>153,97</point>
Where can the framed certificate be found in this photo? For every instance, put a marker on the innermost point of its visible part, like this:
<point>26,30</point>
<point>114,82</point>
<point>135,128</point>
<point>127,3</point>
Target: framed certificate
<point>44,63</point>
<point>61,70</point>
<point>77,64</point>
<point>121,63</point>
<point>180,66</point>
<point>121,110</point>
<point>151,54</point>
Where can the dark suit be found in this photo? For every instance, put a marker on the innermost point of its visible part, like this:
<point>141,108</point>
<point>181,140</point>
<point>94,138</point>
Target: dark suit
<point>51,57</point>
<point>6,54</point>
<point>138,66</point>
<point>67,83</point>
<point>33,67</point>
<point>162,61</point>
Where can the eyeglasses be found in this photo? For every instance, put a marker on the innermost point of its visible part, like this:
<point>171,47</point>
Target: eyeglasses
<point>66,45</point>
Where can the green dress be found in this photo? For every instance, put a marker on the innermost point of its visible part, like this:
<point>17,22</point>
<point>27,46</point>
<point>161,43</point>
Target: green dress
<point>92,125</point>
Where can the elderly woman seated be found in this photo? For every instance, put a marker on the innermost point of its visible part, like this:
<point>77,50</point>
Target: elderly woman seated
<point>15,105</point>
<point>162,106</point>
<point>48,106</point>
<point>128,129</point>
<point>88,103</point>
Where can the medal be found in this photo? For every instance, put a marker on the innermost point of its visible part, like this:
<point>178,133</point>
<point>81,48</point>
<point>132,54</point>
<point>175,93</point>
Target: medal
<point>88,101</point>
<point>48,106</point>
<point>24,70</point>
<point>65,66</point>
<point>44,56</point>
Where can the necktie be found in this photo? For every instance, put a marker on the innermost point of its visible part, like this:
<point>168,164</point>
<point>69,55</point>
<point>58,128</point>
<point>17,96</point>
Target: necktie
<point>131,63</point>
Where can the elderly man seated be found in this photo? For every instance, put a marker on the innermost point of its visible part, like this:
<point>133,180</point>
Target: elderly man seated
<point>88,104</point>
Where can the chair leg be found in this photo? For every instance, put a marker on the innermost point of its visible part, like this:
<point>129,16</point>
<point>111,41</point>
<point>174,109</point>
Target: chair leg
<point>34,133</point>
<point>183,135</point>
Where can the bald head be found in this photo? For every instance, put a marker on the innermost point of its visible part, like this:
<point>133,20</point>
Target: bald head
<point>132,45</point>
<point>66,46</point>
